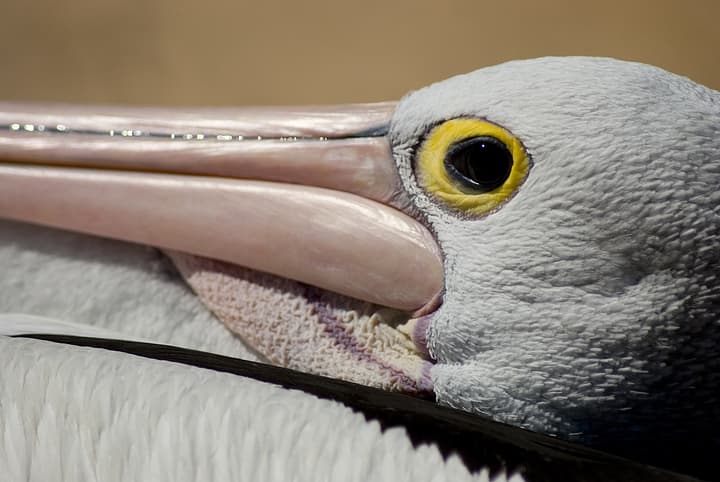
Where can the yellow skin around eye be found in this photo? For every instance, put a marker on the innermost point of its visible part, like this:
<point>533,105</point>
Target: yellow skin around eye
<point>436,180</point>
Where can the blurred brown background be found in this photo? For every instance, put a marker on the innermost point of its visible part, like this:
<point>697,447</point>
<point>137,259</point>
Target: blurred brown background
<point>232,52</point>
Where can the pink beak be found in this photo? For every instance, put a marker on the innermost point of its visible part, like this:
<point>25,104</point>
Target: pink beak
<point>303,193</point>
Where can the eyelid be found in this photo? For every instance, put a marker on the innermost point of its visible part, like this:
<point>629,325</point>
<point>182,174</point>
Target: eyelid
<point>432,175</point>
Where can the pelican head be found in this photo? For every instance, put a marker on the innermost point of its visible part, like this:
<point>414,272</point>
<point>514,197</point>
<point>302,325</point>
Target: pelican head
<point>584,301</point>
<point>543,235</point>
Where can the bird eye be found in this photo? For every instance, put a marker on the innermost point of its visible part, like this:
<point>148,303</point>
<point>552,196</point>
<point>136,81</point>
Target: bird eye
<point>472,165</point>
<point>480,163</point>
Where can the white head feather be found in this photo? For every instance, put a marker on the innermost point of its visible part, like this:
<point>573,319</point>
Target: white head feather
<point>588,303</point>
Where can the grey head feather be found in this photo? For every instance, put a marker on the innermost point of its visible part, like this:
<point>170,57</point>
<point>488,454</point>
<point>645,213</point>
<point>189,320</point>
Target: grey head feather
<point>588,306</point>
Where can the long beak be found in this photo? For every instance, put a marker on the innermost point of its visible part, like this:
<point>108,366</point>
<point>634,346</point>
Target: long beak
<point>303,193</point>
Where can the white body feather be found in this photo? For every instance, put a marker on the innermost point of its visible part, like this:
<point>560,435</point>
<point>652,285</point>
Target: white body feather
<point>81,414</point>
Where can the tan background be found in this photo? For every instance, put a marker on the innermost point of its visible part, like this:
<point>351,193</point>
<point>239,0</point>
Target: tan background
<point>230,52</point>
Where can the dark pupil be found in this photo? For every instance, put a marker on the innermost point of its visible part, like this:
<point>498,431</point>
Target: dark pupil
<point>480,163</point>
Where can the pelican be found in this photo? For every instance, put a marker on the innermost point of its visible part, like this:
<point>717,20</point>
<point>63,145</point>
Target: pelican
<point>534,242</point>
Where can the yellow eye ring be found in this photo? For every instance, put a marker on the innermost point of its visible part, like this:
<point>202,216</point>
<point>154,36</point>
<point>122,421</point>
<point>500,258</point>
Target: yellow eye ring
<point>443,181</point>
